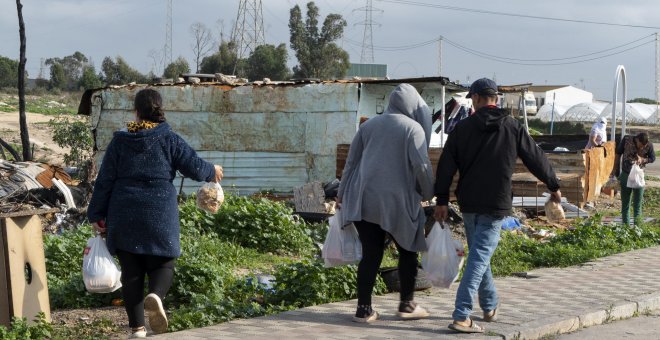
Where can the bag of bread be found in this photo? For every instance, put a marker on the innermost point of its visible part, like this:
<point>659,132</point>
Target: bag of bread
<point>553,211</point>
<point>210,197</point>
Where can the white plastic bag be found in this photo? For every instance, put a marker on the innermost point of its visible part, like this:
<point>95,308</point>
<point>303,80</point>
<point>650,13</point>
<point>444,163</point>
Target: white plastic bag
<point>210,197</point>
<point>444,259</point>
<point>342,243</point>
<point>100,272</point>
<point>636,178</point>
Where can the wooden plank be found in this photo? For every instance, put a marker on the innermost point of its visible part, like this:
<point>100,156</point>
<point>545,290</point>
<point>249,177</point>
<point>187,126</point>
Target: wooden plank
<point>26,251</point>
<point>5,302</point>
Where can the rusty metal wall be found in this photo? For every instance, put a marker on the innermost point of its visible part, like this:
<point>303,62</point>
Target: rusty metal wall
<point>266,137</point>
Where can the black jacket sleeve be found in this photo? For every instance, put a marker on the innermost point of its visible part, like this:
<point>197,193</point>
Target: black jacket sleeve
<point>447,167</point>
<point>535,160</point>
<point>650,157</point>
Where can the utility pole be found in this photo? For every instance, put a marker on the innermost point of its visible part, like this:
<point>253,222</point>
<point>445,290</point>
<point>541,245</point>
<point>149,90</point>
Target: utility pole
<point>41,69</point>
<point>248,32</point>
<point>167,50</point>
<point>367,55</point>
<point>440,56</point>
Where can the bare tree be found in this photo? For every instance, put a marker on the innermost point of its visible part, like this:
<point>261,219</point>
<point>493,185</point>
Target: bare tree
<point>22,120</point>
<point>203,42</point>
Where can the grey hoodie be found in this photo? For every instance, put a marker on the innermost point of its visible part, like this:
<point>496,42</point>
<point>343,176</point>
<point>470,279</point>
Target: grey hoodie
<point>388,171</point>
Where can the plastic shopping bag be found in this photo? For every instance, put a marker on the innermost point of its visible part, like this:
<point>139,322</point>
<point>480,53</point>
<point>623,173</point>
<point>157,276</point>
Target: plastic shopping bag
<point>100,272</point>
<point>210,197</point>
<point>342,243</point>
<point>636,178</point>
<point>554,211</point>
<point>444,259</point>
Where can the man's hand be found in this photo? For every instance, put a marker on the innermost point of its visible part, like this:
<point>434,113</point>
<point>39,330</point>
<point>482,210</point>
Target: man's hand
<point>555,196</point>
<point>338,200</point>
<point>218,173</point>
<point>441,213</point>
<point>99,227</point>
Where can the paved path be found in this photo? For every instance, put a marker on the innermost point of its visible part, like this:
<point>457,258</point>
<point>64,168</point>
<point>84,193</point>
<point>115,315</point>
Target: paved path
<point>641,327</point>
<point>557,301</point>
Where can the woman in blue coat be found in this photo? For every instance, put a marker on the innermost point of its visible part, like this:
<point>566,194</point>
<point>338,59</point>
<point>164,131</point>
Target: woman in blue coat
<point>135,204</point>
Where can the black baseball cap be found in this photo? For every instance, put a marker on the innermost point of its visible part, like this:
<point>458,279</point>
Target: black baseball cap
<point>483,86</point>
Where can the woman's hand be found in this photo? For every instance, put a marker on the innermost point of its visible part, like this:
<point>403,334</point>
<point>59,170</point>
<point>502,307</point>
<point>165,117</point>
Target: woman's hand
<point>218,173</point>
<point>99,227</point>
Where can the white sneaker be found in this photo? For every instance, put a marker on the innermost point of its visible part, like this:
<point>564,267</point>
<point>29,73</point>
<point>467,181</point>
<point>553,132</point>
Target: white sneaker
<point>142,333</point>
<point>417,313</point>
<point>367,319</point>
<point>154,309</point>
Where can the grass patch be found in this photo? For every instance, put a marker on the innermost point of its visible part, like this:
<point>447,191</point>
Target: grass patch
<point>588,241</point>
<point>45,104</point>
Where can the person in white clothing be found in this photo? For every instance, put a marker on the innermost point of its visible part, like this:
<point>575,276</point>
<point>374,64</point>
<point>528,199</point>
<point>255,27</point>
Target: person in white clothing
<point>598,135</point>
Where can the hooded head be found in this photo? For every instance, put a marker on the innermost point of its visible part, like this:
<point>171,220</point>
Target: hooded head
<point>406,100</point>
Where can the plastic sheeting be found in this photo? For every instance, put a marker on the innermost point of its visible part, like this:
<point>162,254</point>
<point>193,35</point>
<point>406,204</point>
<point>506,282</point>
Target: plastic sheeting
<point>635,113</point>
<point>584,112</point>
<point>545,112</point>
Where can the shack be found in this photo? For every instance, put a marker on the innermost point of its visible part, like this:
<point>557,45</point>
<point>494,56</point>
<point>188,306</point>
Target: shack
<point>267,136</point>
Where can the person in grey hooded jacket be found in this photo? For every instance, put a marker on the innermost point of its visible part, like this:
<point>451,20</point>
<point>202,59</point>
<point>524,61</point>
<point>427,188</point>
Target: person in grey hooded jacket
<point>387,174</point>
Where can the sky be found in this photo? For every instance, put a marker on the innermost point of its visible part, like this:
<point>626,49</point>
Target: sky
<point>478,40</point>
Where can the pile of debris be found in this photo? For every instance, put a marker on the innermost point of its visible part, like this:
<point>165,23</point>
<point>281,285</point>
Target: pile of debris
<point>31,186</point>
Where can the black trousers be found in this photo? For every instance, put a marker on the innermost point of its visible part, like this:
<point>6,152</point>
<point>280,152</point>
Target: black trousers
<point>373,245</point>
<point>134,267</point>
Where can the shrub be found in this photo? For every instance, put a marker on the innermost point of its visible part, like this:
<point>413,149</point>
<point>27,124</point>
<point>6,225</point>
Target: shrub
<point>201,269</point>
<point>41,329</point>
<point>75,135</point>
<point>263,225</point>
<point>20,329</point>
<point>307,283</point>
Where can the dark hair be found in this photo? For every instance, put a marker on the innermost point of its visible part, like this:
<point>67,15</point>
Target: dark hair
<point>148,105</point>
<point>643,138</point>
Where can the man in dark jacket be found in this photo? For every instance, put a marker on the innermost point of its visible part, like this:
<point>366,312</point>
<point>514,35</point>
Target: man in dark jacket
<point>483,148</point>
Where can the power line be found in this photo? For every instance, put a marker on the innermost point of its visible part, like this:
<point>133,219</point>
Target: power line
<point>518,61</point>
<point>483,55</point>
<point>480,11</point>
<point>555,59</point>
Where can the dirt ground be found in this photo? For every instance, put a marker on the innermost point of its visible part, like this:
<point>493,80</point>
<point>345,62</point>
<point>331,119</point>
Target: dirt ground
<point>73,317</point>
<point>45,150</point>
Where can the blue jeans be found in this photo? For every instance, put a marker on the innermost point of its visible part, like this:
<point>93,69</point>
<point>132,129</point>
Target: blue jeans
<point>483,234</point>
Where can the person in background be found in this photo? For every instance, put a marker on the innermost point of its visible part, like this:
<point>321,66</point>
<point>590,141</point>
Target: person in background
<point>598,135</point>
<point>632,150</point>
<point>387,175</point>
<point>484,148</point>
<point>134,204</point>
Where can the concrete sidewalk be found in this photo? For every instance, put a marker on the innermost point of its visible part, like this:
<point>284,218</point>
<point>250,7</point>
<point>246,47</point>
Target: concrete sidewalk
<point>558,300</point>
